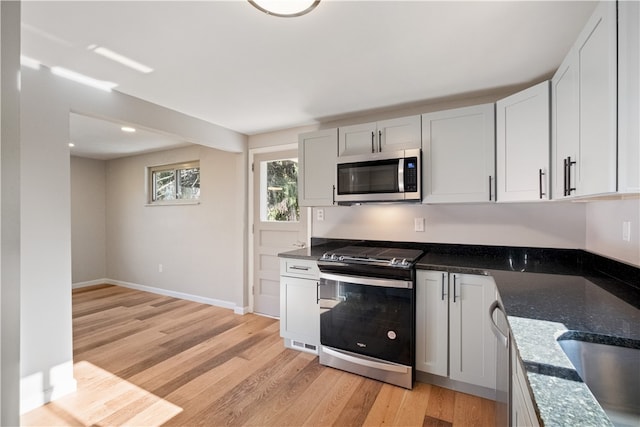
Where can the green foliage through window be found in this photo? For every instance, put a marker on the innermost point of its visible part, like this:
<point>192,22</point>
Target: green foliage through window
<point>282,191</point>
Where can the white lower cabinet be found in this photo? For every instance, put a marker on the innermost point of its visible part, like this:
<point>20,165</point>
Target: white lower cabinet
<point>522,410</point>
<point>453,335</point>
<point>299,309</point>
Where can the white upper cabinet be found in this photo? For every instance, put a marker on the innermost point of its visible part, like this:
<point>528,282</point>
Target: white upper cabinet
<point>522,145</point>
<point>317,167</point>
<point>587,110</point>
<point>458,149</point>
<point>628,97</point>
<point>386,135</point>
<point>564,127</point>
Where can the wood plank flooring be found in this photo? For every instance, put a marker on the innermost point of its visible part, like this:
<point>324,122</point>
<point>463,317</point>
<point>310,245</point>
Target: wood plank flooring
<point>143,359</point>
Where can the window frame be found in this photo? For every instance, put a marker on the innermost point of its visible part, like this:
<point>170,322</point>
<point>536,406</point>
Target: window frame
<point>175,167</point>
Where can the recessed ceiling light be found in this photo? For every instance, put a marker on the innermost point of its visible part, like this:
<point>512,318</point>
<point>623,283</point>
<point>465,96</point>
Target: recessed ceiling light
<point>127,129</point>
<point>71,144</point>
<point>121,59</point>
<point>81,78</point>
<point>285,8</point>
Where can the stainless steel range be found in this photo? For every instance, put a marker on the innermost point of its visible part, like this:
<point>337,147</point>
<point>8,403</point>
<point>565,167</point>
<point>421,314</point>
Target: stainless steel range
<point>367,312</point>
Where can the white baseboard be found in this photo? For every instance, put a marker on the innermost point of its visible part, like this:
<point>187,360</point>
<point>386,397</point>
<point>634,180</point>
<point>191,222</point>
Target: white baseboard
<point>90,283</point>
<point>38,389</point>
<point>189,297</point>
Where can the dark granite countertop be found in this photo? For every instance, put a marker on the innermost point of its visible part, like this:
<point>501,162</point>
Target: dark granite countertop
<point>546,293</point>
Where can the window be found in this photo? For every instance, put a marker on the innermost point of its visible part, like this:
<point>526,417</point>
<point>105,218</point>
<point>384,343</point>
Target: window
<point>175,183</point>
<point>280,191</point>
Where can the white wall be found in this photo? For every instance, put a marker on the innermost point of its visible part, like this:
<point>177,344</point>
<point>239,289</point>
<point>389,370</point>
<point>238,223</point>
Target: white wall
<point>9,214</point>
<point>88,220</point>
<point>604,229</point>
<point>199,246</point>
<point>556,225</point>
<point>46,101</point>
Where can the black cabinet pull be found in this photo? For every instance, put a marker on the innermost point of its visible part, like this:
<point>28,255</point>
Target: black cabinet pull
<point>540,175</point>
<point>317,292</point>
<point>565,176</point>
<point>380,141</point>
<point>454,288</point>
<point>373,137</point>
<point>569,187</point>
<point>334,195</point>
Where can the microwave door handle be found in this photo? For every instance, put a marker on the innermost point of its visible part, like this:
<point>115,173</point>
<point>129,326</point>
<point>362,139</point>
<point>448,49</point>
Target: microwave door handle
<point>401,175</point>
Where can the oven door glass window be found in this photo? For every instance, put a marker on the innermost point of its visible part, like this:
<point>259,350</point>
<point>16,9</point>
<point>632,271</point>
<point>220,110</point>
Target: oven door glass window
<point>368,177</point>
<point>370,320</point>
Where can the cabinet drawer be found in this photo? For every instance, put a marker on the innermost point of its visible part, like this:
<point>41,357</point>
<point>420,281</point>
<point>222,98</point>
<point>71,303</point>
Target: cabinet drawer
<point>299,268</point>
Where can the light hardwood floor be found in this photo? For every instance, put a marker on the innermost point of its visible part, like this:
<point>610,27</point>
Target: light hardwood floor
<point>148,360</point>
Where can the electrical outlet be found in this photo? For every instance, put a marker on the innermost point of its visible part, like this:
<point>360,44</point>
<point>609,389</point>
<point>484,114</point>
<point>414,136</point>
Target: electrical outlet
<point>320,214</point>
<point>418,224</point>
<point>626,231</point>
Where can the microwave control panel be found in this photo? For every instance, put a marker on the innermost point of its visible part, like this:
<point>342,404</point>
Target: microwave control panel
<point>410,174</point>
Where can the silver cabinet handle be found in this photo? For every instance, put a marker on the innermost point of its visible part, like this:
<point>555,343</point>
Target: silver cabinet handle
<point>502,338</point>
<point>297,267</point>
<point>443,292</point>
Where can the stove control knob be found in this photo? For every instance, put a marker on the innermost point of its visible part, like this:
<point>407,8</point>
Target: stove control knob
<point>404,262</point>
<point>341,258</point>
<point>394,261</point>
<point>334,257</point>
<point>325,255</point>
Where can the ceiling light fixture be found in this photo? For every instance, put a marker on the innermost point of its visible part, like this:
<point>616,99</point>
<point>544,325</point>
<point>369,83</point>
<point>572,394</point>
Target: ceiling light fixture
<point>127,129</point>
<point>121,59</point>
<point>71,144</point>
<point>285,8</point>
<point>81,78</point>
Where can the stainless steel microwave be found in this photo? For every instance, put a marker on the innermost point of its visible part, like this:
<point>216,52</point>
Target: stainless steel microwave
<point>380,177</point>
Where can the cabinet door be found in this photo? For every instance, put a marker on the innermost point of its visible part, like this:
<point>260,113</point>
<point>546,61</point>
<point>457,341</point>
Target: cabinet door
<point>523,413</point>
<point>628,97</point>
<point>357,139</point>
<point>316,167</point>
<point>597,56</point>
<point>399,134</point>
<point>432,324</point>
<point>522,145</point>
<point>472,343</point>
<point>564,125</point>
<point>458,153</point>
<point>299,312</point>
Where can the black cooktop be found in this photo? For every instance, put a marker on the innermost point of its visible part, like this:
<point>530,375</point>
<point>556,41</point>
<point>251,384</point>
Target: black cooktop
<point>372,256</point>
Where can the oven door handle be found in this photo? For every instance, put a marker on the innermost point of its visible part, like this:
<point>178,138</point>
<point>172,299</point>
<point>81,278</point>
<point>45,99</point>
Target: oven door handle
<point>364,362</point>
<point>358,280</point>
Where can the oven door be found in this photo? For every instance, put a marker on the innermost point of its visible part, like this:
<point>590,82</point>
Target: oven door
<point>368,316</point>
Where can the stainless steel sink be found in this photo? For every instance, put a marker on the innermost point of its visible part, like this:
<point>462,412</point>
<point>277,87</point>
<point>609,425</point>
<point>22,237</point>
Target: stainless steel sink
<point>612,373</point>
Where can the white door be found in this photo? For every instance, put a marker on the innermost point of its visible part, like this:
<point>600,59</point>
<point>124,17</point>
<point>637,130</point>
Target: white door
<point>279,224</point>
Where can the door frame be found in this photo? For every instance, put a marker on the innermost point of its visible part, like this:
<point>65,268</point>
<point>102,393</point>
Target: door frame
<point>250,219</point>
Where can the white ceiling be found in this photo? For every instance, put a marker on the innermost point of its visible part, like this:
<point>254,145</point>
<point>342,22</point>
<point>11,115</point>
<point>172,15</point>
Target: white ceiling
<point>228,63</point>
